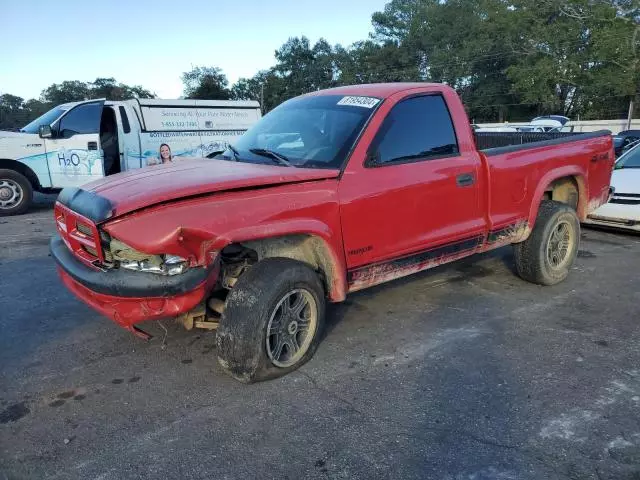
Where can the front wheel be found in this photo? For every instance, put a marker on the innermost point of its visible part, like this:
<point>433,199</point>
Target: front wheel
<point>272,322</point>
<point>548,254</point>
<point>16,193</point>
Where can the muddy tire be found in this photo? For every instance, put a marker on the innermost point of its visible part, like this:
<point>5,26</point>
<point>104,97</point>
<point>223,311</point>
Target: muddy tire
<point>16,193</point>
<point>272,322</point>
<point>547,255</point>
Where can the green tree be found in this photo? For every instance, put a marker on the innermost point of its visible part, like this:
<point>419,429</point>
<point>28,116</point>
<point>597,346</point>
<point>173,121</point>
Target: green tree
<point>304,68</point>
<point>572,55</point>
<point>111,90</point>
<point>34,109</point>
<point>249,88</point>
<point>12,113</point>
<point>65,92</point>
<point>206,83</point>
<point>514,59</point>
<point>370,62</point>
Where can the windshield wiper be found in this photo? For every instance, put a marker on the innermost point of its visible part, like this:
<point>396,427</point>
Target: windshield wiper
<point>277,157</point>
<point>215,153</point>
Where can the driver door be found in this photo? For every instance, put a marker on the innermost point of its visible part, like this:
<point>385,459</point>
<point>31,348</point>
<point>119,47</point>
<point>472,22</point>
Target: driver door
<point>73,152</point>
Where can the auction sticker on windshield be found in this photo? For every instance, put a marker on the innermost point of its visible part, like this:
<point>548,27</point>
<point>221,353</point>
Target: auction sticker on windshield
<point>366,102</point>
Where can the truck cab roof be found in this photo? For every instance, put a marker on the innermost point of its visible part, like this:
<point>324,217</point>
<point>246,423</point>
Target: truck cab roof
<point>379,90</point>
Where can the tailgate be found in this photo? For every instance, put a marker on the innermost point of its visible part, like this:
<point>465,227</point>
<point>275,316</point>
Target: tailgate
<point>600,169</point>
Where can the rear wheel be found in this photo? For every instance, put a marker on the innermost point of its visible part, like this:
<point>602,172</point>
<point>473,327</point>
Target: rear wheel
<point>272,322</point>
<point>16,193</point>
<point>548,254</point>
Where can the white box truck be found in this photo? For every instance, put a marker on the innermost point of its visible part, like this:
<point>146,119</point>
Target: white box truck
<point>75,143</point>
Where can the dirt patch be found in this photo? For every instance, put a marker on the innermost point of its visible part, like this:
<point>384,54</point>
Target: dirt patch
<point>14,412</point>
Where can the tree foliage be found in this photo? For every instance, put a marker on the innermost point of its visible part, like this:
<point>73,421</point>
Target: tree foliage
<point>15,112</point>
<point>206,83</point>
<point>110,89</point>
<point>508,59</point>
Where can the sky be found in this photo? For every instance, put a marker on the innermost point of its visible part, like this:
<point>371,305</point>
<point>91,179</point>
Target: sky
<point>150,43</point>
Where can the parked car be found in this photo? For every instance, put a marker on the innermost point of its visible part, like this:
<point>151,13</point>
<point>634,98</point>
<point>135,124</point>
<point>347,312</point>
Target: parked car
<point>623,209</point>
<point>330,193</point>
<point>532,128</point>
<point>75,143</point>
<point>546,123</point>
<point>561,119</point>
<point>497,129</point>
<point>625,140</point>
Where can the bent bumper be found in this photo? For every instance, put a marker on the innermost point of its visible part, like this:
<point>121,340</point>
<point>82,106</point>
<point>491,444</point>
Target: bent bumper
<point>130,297</point>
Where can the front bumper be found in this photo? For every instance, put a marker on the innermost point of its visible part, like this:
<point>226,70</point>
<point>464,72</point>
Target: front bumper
<point>129,297</point>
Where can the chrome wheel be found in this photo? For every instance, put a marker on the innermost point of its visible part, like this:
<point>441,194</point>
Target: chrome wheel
<point>291,328</point>
<point>11,194</point>
<point>560,245</point>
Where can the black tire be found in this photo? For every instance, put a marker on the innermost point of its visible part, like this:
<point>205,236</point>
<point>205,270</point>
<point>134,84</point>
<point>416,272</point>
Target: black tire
<point>12,181</point>
<point>535,258</point>
<point>242,333</point>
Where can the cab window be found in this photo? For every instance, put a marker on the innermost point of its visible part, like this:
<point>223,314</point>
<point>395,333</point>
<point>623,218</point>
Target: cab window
<point>82,119</point>
<point>418,128</point>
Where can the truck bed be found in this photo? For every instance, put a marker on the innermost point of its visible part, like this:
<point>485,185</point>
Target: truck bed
<point>526,163</point>
<point>493,143</point>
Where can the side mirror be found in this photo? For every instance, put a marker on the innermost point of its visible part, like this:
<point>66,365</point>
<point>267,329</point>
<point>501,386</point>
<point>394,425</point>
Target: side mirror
<point>45,131</point>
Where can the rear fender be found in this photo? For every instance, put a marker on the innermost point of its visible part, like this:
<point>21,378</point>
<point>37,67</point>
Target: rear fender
<point>569,171</point>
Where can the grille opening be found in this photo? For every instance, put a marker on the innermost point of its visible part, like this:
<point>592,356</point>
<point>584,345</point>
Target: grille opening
<point>84,229</point>
<point>61,221</point>
<point>90,250</point>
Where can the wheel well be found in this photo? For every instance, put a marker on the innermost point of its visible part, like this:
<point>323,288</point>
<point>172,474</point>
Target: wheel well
<point>308,249</point>
<point>564,190</point>
<point>22,169</point>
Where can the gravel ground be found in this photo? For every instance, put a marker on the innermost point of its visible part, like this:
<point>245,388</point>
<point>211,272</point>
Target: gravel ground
<point>463,372</point>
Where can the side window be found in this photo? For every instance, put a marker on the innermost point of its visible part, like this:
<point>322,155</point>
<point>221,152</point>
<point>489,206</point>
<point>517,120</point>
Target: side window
<point>418,128</point>
<point>126,128</point>
<point>82,119</point>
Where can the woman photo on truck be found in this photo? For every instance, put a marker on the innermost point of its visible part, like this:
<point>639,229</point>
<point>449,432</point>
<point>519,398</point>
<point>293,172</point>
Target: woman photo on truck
<point>165,154</point>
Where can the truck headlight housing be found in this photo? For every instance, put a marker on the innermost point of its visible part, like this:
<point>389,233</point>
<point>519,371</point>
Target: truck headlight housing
<point>132,259</point>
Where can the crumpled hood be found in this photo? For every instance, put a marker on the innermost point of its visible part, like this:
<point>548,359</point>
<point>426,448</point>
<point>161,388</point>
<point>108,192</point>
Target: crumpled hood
<point>626,180</point>
<point>190,177</point>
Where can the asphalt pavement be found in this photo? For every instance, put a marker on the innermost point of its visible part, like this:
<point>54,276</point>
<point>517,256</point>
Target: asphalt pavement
<point>463,372</point>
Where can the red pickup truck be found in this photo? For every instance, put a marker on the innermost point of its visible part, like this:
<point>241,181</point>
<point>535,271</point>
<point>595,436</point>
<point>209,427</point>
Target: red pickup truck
<point>329,193</point>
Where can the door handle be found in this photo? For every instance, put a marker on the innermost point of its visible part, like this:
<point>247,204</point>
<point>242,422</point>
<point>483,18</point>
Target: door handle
<point>92,145</point>
<point>465,179</point>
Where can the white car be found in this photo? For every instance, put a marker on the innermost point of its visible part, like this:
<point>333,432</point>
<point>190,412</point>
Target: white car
<point>623,209</point>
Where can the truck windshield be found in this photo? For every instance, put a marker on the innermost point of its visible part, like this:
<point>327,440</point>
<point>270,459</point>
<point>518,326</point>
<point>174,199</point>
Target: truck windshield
<point>44,119</point>
<point>310,132</point>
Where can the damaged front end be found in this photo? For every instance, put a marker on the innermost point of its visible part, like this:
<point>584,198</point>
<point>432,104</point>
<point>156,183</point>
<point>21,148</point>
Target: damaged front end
<point>124,256</point>
<point>121,282</point>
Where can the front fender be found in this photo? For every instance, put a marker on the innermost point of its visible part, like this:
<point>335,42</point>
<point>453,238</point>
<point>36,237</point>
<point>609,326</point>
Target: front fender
<point>199,228</point>
<point>311,241</point>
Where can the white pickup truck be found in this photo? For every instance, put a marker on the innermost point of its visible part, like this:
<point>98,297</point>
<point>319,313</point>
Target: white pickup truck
<point>75,143</point>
